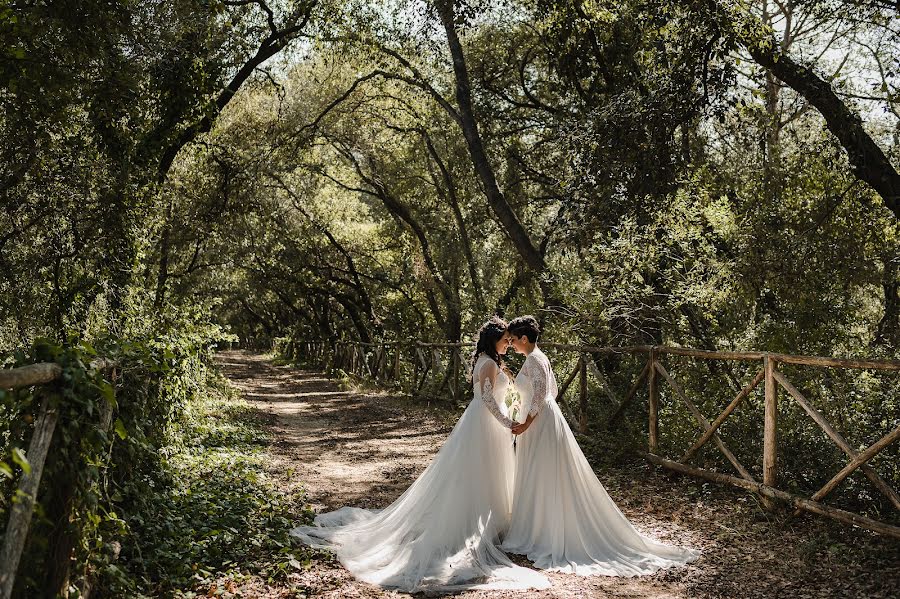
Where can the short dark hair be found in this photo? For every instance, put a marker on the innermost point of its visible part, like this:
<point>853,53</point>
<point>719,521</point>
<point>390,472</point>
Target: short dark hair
<point>525,325</point>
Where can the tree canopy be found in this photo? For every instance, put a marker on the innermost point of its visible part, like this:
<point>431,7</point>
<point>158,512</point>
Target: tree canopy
<point>697,172</point>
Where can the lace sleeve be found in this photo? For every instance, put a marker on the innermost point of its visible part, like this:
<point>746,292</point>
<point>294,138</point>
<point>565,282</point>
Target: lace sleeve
<point>486,378</point>
<point>538,379</point>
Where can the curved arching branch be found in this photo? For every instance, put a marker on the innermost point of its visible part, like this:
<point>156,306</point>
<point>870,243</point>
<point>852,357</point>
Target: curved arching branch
<point>867,159</point>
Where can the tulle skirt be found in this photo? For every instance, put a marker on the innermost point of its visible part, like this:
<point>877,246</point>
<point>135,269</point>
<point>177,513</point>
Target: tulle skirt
<point>443,533</point>
<point>562,517</point>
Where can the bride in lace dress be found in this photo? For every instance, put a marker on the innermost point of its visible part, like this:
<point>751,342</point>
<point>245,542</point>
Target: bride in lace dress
<point>443,533</point>
<point>563,519</point>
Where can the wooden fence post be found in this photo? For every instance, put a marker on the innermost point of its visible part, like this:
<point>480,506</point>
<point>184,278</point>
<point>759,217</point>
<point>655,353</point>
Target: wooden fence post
<point>770,437</point>
<point>653,404</point>
<point>378,358</point>
<point>582,394</point>
<point>413,386</point>
<point>20,513</point>
<point>436,361</point>
<point>397,374</point>
<point>455,374</point>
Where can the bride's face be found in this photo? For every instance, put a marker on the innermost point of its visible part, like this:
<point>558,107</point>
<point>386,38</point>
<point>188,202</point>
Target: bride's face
<point>503,344</point>
<point>517,343</point>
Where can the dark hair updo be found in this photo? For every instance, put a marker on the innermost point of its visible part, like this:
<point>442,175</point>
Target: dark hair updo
<point>488,336</point>
<point>527,326</point>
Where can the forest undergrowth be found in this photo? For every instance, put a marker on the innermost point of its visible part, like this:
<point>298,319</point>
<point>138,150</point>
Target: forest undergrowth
<point>213,513</point>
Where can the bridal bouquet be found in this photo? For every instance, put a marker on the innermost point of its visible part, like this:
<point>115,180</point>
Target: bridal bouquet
<point>513,401</point>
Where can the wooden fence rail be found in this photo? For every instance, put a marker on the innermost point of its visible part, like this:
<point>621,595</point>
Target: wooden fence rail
<point>415,362</point>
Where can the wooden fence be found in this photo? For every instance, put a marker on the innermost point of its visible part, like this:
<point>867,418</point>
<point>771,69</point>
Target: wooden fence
<point>24,498</point>
<point>409,366</point>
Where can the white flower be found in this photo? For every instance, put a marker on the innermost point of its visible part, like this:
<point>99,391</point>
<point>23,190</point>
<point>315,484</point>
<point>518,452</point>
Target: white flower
<point>513,401</point>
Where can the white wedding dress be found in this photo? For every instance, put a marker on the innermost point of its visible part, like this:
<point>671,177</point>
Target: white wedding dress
<point>443,533</point>
<point>563,519</point>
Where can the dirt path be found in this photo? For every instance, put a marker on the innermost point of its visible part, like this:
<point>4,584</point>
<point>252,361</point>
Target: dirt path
<point>364,449</point>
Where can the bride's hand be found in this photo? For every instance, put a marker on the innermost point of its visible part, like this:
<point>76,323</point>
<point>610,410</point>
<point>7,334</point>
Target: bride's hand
<point>521,427</point>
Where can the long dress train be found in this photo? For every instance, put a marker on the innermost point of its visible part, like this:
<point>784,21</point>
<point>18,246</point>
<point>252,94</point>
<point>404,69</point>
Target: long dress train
<point>443,533</point>
<point>562,518</point>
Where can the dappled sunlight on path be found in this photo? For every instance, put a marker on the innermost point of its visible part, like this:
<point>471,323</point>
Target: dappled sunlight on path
<point>345,448</point>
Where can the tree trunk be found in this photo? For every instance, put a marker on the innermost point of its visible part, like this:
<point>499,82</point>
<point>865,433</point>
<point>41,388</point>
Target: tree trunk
<point>353,312</point>
<point>517,233</point>
<point>520,279</point>
<point>888,330</point>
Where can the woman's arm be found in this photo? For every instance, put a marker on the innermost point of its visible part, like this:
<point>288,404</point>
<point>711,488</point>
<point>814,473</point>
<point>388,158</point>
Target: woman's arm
<point>538,379</point>
<point>487,379</point>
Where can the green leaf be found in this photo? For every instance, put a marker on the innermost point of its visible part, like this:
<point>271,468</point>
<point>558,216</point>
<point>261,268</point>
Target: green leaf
<point>19,458</point>
<point>6,470</point>
<point>120,429</point>
<point>109,394</point>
